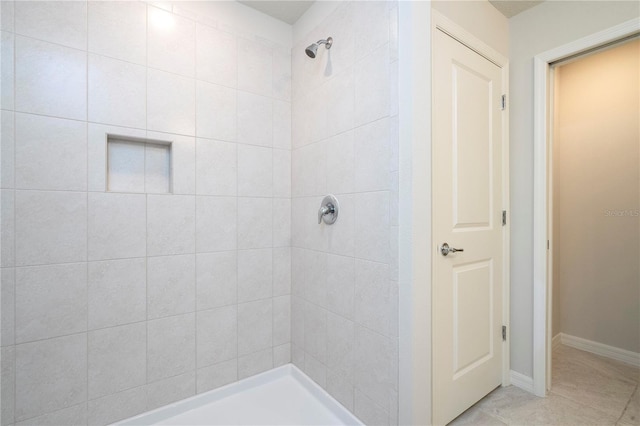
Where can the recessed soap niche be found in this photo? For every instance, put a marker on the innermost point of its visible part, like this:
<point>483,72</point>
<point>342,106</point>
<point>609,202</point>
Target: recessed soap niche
<point>138,165</point>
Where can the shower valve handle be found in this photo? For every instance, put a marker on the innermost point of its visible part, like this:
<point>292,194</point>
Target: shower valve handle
<point>328,211</point>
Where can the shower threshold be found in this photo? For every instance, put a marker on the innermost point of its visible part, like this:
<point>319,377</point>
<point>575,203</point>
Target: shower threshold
<point>282,396</point>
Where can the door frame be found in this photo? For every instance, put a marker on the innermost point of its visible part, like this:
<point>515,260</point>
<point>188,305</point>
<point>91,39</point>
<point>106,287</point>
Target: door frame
<point>441,23</point>
<point>542,191</point>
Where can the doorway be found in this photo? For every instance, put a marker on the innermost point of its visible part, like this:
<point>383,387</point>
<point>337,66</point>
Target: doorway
<point>543,246</point>
<point>594,208</point>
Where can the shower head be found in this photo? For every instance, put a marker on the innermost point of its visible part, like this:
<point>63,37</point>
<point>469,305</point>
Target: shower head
<point>312,49</point>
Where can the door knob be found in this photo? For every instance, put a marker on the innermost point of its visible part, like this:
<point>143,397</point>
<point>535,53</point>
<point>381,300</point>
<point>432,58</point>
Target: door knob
<point>445,249</point>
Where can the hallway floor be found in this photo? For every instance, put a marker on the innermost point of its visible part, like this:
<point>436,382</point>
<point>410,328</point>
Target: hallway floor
<point>586,390</point>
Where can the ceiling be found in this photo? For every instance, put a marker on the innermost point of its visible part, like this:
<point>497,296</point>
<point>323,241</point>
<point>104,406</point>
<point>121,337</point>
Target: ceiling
<point>513,7</point>
<point>290,10</point>
<point>287,11</point>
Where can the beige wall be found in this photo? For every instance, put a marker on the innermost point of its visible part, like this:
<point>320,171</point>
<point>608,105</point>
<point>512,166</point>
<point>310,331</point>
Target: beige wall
<point>544,27</point>
<point>479,18</point>
<point>596,198</point>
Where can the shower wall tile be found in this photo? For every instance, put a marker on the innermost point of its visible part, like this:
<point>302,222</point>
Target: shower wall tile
<point>255,321</point>
<point>215,111</point>
<point>7,312</point>
<point>282,173</point>
<point>172,51</point>
<point>170,224</point>
<point>372,226</point>
<point>345,142</point>
<point>282,73</point>
<point>255,119</point>
<point>372,71</point>
<point>118,30</point>
<point>50,301</point>
<point>372,296</point>
<point>117,406</point>
<point>371,153</point>
<point>38,85</point>
<point>74,415</point>
<point>7,10</point>
<point>7,228</point>
<point>249,365</point>
<point>171,346</point>
<point>255,67</point>
<point>142,299</point>
<point>217,336</point>
<point>372,362</point>
<point>7,383</point>
<point>281,320</point>
<point>117,359</point>
<point>7,50</point>
<point>281,271</point>
<point>117,292</point>
<point>50,153</point>
<point>282,355</point>
<point>183,161</point>
<point>217,375</point>
<point>117,225</point>
<point>216,56</point>
<point>341,160</point>
<point>61,23</point>
<point>50,375</point>
<point>255,171</point>
<point>117,92</point>
<point>341,97</point>
<point>171,103</point>
<point>340,389</point>
<point>341,285</point>
<point>216,279</point>
<point>171,285</point>
<point>281,125</point>
<point>216,168</point>
<point>255,223</point>
<point>7,149</point>
<point>281,222</point>
<point>37,242</point>
<point>170,390</point>
<point>216,228</point>
<point>255,275</point>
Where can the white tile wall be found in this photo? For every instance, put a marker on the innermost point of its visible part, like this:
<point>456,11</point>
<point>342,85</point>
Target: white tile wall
<point>116,302</point>
<point>160,281</point>
<point>344,276</point>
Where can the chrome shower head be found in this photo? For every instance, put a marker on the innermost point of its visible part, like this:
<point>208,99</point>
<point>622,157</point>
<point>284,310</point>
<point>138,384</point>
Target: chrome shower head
<point>312,49</point>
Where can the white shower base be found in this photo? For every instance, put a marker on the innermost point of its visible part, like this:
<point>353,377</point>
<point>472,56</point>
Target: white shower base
<point>282,396</point>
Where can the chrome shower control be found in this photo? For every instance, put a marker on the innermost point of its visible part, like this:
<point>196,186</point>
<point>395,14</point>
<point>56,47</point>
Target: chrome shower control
<point>328,211</point>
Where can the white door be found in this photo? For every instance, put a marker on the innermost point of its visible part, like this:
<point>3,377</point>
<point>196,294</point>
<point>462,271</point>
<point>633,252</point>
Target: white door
<point>467,214</point>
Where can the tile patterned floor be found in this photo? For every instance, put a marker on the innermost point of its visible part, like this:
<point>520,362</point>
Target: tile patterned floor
<point>586,390</point>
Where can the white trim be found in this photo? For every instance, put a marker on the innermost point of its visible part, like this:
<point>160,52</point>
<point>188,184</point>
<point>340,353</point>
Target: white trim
<point>414,240</point>
<point>521,381</point>
<point>601,349</point>
<point>541,291</point>
<point>556,341</point>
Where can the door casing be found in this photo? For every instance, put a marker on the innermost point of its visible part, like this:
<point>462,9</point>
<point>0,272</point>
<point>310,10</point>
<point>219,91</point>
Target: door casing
<point>441,23</point>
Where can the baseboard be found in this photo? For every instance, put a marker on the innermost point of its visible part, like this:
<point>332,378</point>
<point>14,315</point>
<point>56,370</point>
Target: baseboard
<point>601,349</point>
<point>521,381</point>
<point>556,341</point>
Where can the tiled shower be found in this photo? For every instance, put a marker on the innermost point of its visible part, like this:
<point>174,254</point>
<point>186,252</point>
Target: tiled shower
<point>162,166</point>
